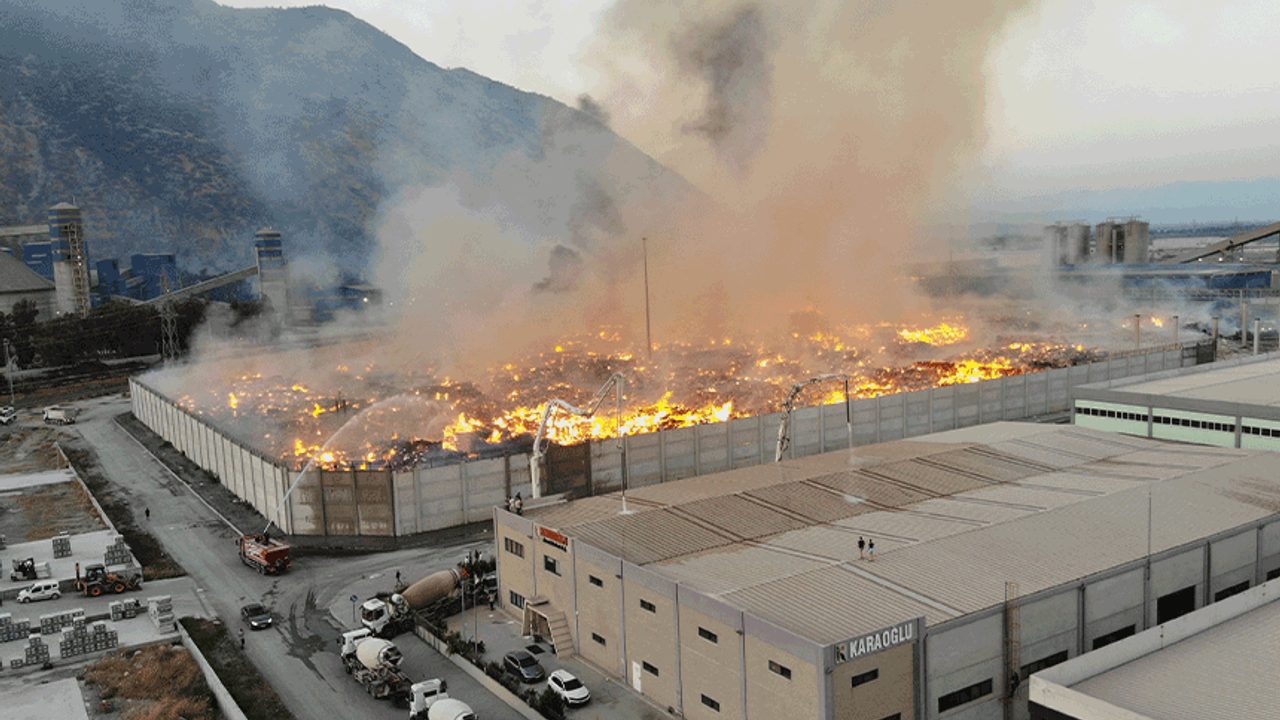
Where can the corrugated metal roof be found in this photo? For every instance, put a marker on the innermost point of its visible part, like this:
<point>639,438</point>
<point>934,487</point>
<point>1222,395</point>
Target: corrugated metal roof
<point>989,465</point>
<point>871,489</point>
<point>1037,454</point>
<point>957,507</point>
<point>1079,444</point>
<point>650,537</point>
<point>724,483</point>
<point>968,570</point>
<point>816,502</point>
<point>926,477</point>
<point>1085,481</point>
<point>833,543</point>
<point>740,517</point>
<point>714,572</point>
<point>838,604</point>
<point>1212,674</point>
<point>18,278</point>
<point>1254,383</point>
<point>569,514</point>
<point>907,525</point>
<point>1026,496</point>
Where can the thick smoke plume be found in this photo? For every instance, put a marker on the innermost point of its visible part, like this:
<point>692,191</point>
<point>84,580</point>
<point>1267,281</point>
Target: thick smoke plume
<point>823,135</point>
<point>828,133</point>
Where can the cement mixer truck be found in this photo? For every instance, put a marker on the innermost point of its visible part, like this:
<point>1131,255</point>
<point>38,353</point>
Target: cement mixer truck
<point>436,595</point>
<point>429,701</point>
<point>375,664</point>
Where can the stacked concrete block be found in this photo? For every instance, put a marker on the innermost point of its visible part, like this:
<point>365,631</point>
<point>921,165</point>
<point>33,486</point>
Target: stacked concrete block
<point>124,609</point>
<point>36,652</point>
<point>54,622</point>
<point>62,546</point>
<point>14,630</point>
<point>117,553</point>
<point>80,640</point>
<point>160,609</point>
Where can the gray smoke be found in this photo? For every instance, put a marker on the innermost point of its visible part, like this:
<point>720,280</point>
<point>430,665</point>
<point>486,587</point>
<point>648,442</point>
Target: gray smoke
<point>729,57</point>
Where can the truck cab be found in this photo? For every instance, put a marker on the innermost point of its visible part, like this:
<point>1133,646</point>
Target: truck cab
<point>425,694</point>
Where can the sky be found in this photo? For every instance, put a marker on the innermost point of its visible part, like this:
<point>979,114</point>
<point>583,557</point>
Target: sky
<point>1080,94</point>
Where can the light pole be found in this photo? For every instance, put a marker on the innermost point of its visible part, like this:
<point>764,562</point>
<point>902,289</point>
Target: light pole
<point>8,367</point>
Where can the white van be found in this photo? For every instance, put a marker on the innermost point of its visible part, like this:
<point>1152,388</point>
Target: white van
<point>42,590</point>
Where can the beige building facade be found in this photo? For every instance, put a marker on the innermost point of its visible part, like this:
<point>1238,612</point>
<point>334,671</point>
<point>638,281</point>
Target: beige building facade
<point>744,594</point>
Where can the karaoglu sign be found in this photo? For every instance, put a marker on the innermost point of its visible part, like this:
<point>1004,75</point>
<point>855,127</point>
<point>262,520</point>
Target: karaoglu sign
<point>895,635</point>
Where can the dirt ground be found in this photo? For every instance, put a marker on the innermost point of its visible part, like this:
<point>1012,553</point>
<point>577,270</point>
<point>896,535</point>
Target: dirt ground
<point>160,681</point>
<point>26,449</point>
<point>44,511</point>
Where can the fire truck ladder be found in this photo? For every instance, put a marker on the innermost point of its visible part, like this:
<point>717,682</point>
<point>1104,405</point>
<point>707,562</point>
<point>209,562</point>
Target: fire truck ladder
<point>1012,648</point>
<point>784,427</point>
<point>617,380</point>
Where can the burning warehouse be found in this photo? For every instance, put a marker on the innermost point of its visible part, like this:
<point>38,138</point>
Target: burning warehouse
<point>362,448</point>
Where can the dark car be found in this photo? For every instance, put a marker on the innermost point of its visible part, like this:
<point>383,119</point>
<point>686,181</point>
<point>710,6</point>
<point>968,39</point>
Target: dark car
<point>258,617</point>
<point>523,665</point>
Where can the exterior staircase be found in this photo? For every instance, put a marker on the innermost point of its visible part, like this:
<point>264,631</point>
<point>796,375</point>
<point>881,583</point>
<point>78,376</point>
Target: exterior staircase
<point>561,638</point>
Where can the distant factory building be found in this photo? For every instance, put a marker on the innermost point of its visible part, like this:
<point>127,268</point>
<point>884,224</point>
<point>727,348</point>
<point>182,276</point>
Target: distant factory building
<point>273,272</point>
<point>1123,242</point>
<point>70,259</point>
<point>150,275</point>
<point>999,551</point>
<point>18,283</point>
<point>1230,404</point>
<point>1069,243</point>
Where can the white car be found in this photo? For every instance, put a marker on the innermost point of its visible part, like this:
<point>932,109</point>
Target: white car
<point>568,686</point>
<point>7,414</point>
<point>41,590</point>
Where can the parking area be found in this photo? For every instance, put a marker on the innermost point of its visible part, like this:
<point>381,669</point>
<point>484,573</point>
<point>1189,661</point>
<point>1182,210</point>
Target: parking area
<point>501,634</point>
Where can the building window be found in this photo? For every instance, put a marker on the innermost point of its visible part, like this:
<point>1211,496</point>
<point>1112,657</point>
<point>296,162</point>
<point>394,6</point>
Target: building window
<point>513,547</point>
<point>782,670</point>
<point>865,677</point>
<point>964,695</point>
<point>649,669</point>
<point>895,716</point>
<point>1225,593</point>
<point>713,704</point>
<point>595,581</point>
<point>551,565</point>
<point>707,635</point>
<point>646,605</point>
<point>1105,640</point>
<point>598,638</point>
<point>1273,574</point>
<point>517,600</point>
<point>1032,668</point>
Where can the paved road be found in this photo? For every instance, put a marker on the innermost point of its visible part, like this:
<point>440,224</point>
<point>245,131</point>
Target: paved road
<point>298,656</point>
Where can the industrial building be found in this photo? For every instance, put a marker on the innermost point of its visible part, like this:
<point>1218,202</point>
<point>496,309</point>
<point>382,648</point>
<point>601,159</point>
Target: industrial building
<point>1232,404</point>
<point>999,551</point>
<point>1113,242</point>
<point>1207,664</point>
<point>19,283</point>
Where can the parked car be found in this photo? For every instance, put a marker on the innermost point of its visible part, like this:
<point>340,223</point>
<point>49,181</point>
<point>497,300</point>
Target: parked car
<point>42,590</point>
<point>258,617</point>
<point>569,687</point>
<point>523,665</point>
<point>7,414</point>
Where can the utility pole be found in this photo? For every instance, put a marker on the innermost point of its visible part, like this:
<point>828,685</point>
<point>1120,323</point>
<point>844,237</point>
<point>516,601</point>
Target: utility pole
<point>648,335</point>
<point>8,368</point>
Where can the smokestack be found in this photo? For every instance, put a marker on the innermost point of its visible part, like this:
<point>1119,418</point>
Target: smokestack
<point>1137,324</point>
<point>1215,334</point>
<point>1257,327</point>
<point>1175,329</point>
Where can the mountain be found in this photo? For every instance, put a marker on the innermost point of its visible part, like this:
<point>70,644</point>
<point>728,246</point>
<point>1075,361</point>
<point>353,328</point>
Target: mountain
<point>184,126</point>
